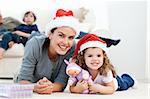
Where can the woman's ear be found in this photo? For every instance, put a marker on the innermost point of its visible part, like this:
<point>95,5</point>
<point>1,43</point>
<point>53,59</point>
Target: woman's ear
<point>50,35</point>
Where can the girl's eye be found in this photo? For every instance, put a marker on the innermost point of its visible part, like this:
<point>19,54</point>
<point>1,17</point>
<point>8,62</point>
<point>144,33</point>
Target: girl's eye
<point>98,55</point>
<point>31,15</point>
<point>89,55</point>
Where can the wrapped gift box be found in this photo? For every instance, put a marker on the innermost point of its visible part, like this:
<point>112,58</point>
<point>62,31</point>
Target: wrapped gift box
<point>16,90</point>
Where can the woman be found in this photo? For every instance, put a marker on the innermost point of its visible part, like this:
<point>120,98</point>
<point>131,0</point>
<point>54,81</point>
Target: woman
<point>43,59</point>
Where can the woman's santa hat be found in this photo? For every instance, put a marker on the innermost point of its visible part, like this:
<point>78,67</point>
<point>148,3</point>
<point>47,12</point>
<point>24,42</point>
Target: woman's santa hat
<point>63,18</point>
<point>90,40</point>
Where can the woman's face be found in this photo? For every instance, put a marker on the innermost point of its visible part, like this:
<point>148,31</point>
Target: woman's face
<point>94,58</point>
<point>61,40</point>
<point>1,19</point>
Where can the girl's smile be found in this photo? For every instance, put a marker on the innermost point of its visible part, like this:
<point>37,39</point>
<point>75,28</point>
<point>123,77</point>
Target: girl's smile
<point>93,58</point>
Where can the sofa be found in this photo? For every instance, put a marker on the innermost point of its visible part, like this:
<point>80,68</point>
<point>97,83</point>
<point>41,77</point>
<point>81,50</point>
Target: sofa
<point>11,62</point>
<point>12,58</point>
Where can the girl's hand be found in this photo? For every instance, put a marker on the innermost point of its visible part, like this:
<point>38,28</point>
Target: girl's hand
<point>95,88</point>
<point>81,86</point>
<point>107,88</point>
<point>43,86</point>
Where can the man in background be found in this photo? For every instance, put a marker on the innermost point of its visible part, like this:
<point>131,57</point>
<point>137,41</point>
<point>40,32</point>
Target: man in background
<point>7,24</point>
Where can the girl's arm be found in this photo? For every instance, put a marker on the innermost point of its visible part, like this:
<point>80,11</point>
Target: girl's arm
<point>24,34</point>
<point>107,88</point>
<point>18,30</point>
<point>79,87</point>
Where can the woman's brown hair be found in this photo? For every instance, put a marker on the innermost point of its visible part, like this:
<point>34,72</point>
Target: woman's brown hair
<point>47,40</point>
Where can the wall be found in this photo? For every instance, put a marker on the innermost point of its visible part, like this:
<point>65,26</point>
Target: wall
<point>44,10</point>
<point>128,21</point>
<point>100,11</point>
<point>148,41</point>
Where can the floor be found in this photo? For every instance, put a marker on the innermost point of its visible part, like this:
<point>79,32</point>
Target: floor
<point>142,92</point>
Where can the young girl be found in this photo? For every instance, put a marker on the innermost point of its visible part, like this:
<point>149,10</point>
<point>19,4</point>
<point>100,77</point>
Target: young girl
<point>21,33</point>
<point>91,55</point>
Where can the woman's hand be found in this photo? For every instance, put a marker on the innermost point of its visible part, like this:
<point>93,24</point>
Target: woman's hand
<point>43,86</point>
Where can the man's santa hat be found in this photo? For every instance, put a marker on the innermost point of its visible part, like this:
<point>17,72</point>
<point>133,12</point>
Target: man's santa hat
<point>63,18</point>
<point>90,40</point>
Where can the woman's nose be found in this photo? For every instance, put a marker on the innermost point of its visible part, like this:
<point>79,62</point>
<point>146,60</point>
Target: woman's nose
<point>66,41</point>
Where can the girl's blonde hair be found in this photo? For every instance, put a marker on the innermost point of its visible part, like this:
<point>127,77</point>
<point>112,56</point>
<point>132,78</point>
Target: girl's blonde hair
<point>79,59</point>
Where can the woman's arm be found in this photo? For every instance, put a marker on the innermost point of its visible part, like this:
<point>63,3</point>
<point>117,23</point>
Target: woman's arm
<point>31,54</point>
<point>26,74</point>
<point>57,87</point>
<point>43,86</point>
<point>24,82</point>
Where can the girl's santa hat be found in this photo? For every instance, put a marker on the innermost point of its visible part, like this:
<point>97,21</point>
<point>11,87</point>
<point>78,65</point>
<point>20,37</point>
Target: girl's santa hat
<point>90,40</point>
<point>63,18</point>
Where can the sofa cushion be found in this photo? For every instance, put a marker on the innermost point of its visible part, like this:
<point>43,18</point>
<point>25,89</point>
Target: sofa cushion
<point>16,51</point>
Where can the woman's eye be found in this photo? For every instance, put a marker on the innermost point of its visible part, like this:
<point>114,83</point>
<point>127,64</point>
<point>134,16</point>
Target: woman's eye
<point>71,38</point>
<point>60,35</point>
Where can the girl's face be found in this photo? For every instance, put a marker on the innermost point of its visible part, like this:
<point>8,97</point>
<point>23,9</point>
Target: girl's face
<point>29,19</point>
<point>61,40</point>
<point>94,58</point>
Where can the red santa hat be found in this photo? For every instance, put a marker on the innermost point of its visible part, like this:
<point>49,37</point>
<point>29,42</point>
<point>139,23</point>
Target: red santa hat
<point>63,18</point>
<point>90,40</point>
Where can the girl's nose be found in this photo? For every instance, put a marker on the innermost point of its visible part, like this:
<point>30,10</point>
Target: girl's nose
<point>94,58</point>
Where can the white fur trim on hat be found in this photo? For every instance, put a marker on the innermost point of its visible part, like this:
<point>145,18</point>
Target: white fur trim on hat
<point>93,44</point>
<point>69,21</point>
